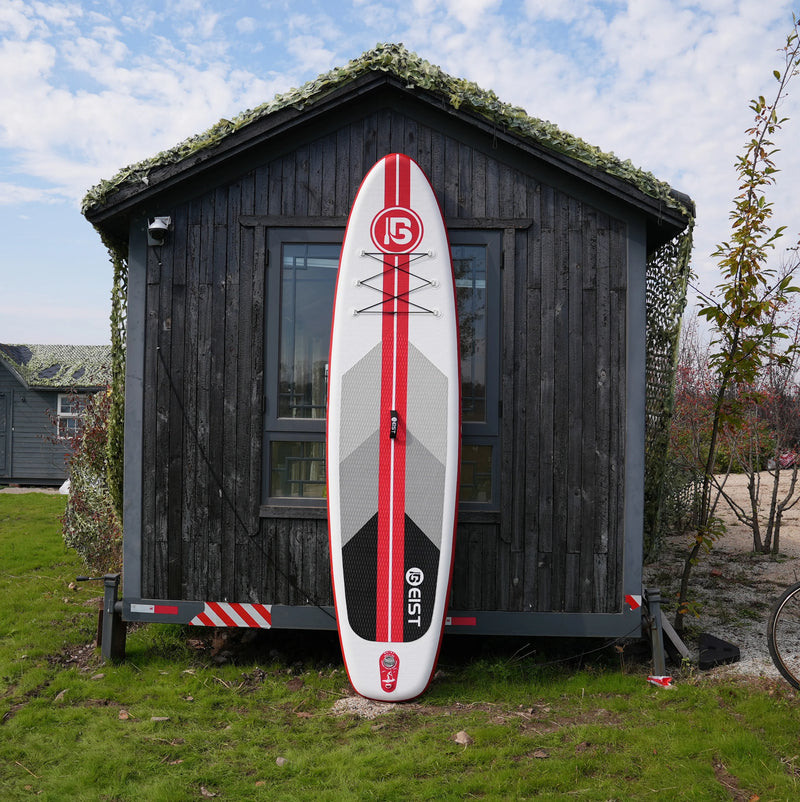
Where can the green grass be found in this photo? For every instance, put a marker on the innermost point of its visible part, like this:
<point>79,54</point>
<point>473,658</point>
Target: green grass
<point>170,724</point>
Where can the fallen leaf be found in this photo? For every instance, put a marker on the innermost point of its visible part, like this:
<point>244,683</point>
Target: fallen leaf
<point>98,676</point>
<point>260,783</point>
<point>124,715</point>
<point>281,761</point>
<point>304,714</point>
<point>60,695</point>
<point>541,754</point>
<point>295,684</point>
<point>205,792</point>
<point>176,762</point>
<point>463,739</point>
<point>159,718</point>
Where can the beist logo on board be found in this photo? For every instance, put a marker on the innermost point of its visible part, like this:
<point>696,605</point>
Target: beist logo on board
<point>389,664</point>
<point>414,579</point>
<point>396,230</point>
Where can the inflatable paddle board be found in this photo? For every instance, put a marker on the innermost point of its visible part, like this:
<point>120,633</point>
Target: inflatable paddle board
<point>393,432</point>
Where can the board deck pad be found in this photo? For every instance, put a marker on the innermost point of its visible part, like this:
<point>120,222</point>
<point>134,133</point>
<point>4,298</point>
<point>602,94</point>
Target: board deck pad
<point>393,432</point>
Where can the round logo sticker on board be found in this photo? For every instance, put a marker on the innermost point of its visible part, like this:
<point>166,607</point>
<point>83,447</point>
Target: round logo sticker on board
<point>396,230</point>
<point>389,666</point>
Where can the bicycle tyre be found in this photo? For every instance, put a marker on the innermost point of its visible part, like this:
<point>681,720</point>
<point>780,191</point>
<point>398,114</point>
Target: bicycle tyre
<point>783,635</point>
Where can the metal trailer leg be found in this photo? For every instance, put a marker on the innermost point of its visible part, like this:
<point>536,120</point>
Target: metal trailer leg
<point>655,630</point>
<point>112,643</point>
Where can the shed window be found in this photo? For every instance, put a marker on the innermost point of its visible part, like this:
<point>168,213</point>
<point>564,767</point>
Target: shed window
<point>301,284</point>
<point>308,283</point>
<point>70,414</point>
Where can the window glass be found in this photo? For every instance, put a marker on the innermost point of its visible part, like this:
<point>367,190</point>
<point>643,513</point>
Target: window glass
<point>70,414</point>
<point>297,343</point>
<point>469,265</point>
<point>308,283</point>
<point>297,469</point>
<point>476,473</point>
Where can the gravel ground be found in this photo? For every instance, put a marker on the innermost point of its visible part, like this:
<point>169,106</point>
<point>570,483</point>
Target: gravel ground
<point>734,588</point>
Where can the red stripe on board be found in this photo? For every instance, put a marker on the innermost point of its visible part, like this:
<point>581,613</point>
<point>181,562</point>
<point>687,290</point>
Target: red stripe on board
<point>392,457</point>
<point>401,392</point>
<point>165,609</point>
<point>401,396</point>
<point>205,620</point>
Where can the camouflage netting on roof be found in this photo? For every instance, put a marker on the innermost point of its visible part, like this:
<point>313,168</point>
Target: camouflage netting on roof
<point>667,280</point>
<point>416,73</point>
<point>60,366</point>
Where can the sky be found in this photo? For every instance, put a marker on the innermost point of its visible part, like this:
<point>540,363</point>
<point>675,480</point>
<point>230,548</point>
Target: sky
<point>88,87</point>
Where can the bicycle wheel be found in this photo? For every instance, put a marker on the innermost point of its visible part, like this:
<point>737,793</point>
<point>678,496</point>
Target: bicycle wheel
<point>783,634</point>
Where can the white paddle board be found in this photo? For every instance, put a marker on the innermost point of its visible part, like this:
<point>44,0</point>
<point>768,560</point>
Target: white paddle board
<point>393,432</point>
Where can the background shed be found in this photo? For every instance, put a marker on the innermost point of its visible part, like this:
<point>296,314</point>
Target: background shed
<point>41,390</point>
<point>556,247</point>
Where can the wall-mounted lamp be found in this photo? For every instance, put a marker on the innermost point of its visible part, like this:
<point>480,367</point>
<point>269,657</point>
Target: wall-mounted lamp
<point>157,230</point>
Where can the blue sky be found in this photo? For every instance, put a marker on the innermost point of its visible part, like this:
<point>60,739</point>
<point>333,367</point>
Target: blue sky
<point>88,87</point>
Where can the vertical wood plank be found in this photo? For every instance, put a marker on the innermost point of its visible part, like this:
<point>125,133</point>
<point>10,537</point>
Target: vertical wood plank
<point>342,168</point>
<point>588,403</point>
<point>575,440</point>
<point>560,400</point>
<point>175,404</point>
<point>192,461</point>
<point>216,410</point>
<point>545,354</point>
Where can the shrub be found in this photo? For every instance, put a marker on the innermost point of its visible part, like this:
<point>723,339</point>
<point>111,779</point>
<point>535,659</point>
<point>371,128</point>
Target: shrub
<point>91,524</point>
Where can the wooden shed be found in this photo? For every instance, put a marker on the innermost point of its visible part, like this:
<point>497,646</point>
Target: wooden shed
<point>42,388</point>
<point>228,318</point>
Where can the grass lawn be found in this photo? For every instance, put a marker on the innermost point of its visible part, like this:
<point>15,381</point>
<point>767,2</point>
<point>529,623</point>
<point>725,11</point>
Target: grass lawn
<point>172,723</point>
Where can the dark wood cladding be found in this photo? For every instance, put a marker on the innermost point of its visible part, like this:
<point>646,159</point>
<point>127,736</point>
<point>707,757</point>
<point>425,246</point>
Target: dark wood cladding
<point>556,543</point>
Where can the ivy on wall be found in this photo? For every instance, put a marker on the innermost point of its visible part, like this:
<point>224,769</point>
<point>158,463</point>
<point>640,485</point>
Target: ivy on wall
<point>116,413</point>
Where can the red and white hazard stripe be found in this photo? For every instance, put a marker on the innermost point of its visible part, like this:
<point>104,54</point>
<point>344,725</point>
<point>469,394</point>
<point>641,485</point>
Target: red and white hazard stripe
<point>227,614</point>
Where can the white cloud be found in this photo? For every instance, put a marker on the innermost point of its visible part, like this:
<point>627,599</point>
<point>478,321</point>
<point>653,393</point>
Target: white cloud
<point>14,194</point>
<point>662,82</point>
<point>471,13</point>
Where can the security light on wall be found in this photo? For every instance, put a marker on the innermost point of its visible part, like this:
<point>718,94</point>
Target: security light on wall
<point>157,230</point>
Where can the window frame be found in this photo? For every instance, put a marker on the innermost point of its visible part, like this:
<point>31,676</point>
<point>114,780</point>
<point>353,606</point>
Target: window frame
<point>78,400</point>
<point>278,429</point>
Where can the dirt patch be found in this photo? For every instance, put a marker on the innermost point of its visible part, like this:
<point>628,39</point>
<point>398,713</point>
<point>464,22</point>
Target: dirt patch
<point>84,658</point>
<point>730,783</point>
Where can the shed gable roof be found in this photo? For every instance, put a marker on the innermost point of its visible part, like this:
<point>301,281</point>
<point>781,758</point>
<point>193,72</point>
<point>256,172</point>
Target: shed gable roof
<point>59,367</point>
<point>415,73</point>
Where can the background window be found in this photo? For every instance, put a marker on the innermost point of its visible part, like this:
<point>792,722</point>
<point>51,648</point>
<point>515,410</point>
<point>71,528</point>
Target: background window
<point>69,417</point>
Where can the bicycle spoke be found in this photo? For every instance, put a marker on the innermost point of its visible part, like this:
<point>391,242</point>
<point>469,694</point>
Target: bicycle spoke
<point>783,635</point>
